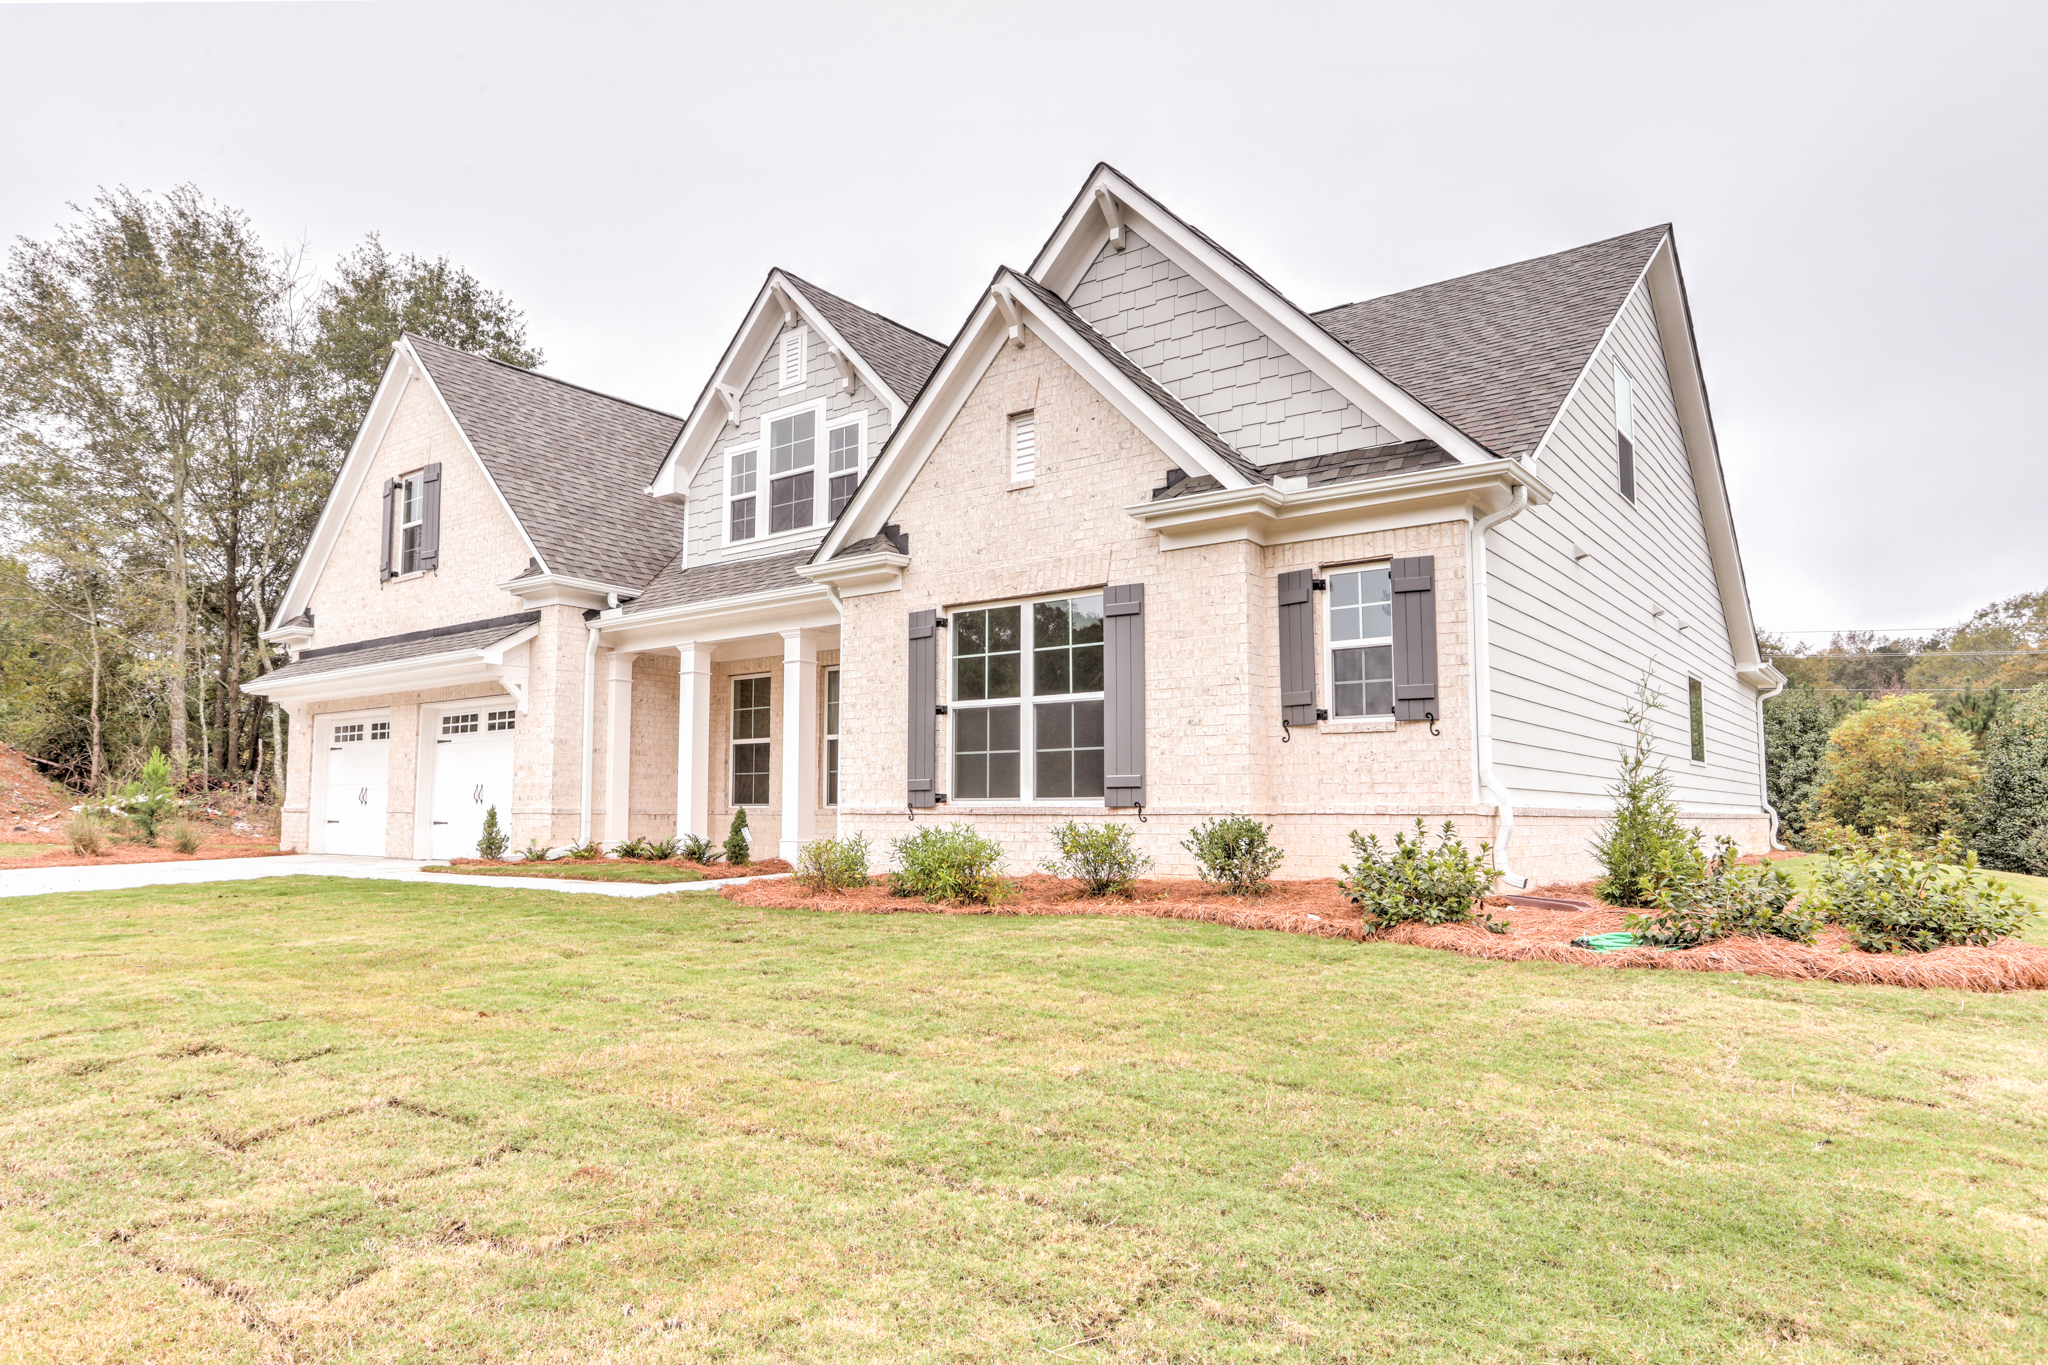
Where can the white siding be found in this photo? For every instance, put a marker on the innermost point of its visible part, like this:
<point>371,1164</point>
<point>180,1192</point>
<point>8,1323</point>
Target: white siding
<point>1247,387</point>
<point>1569,640</point>
<point>764,393</point>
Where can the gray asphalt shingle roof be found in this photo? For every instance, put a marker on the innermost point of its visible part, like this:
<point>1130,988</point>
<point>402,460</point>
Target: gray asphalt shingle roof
<point>677,586</point>
<point>417,644</point>
<point>571,462</point>
<point>905,359</point>
<point>1495,353</point>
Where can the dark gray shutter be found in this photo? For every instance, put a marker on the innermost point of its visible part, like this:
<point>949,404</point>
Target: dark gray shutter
<point>923,754</point>
<point>1625,451</point>
<point>1123,695</point>
<point>1297,647</point>
<point>384,569</point>
<point>430,517</point>
<point>1415,638</point>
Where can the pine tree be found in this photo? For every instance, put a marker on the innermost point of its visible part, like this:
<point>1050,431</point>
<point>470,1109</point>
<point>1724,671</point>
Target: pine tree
<point>738,851</point>
<point>490,845</point>
<point>1642,847</point>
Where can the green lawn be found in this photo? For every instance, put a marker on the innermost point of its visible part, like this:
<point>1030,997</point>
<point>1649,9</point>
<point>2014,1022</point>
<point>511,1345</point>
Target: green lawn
<point>368,1121</point>
<point>581,872</point>
<point>27,850</point>
<point>2035,889</point>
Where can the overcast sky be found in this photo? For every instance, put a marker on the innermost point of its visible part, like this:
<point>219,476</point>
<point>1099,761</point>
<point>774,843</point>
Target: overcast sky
<point>1857,191</point>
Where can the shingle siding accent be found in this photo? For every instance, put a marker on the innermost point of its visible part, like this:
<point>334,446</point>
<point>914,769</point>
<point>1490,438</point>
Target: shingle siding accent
<point>1495,353</point>
<point>1242,383</point>
<point>905,359</point>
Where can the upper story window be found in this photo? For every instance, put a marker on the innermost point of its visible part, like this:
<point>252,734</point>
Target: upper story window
<point>1027,679</point>
<point>412,522</point>
<point>792,460</point>
<point>1023,447</point>
<point>1361,641</point>
<point>791,360</point>
<point>792,440</point>
<point>842,466</point>
<point>739,494</point>
<point>1625,433</point>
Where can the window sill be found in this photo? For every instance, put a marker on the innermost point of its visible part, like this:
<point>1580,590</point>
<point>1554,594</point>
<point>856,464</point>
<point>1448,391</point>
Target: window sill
<point>408,577</point>
<point>777,540</point>
<point>1359,725</point>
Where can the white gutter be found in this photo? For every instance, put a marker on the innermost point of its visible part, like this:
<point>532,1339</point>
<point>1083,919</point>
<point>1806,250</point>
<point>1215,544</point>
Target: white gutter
<point>1482,698</point>
<point>1763,762</point>
<point>589,724</point>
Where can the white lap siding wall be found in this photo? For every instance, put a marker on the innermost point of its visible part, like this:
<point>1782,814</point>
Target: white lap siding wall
<point>1570,638</point>
<point>1213,738</point>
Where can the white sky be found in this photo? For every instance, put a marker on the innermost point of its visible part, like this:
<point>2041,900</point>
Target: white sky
<point>1857,189</point>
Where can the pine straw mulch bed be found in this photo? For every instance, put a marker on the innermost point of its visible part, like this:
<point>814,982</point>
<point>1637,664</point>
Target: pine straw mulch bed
<point>767,867</point>
<point>1538,935</point>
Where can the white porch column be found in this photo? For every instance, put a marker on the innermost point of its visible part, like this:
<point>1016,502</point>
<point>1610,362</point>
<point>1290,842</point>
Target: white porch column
<point>799,741</point>
<point>693,741</point>
<point>618,749</point>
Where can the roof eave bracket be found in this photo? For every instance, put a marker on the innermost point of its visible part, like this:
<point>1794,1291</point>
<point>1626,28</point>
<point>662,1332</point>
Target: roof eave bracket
<point>1112,214</point>
<point>848,378</point>
<point>1013,319</point>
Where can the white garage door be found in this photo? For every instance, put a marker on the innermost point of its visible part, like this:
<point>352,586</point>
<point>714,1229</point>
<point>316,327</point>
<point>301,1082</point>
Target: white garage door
<point>472,773</point>
<point>358,757</point>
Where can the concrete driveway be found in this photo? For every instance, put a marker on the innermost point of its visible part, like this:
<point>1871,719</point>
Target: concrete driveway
<point>43,881</point>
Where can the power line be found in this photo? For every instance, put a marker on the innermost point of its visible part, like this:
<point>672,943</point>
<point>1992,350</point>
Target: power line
<point>1929,654</point>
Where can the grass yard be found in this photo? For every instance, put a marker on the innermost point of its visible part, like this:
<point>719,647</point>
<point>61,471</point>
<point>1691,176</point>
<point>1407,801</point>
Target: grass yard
<point>370,1121</point>
<point>25,850</point>
<point>579,872</point>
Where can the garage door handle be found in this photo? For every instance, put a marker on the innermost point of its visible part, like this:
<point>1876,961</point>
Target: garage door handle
<point>363,797</point>
<point>479,793</point>
<point>334,822</point>
<point>440,822</point>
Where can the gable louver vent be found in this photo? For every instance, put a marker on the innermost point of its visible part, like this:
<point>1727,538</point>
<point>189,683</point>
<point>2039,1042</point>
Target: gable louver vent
<point>1023,447</point>
<point>792,358</point>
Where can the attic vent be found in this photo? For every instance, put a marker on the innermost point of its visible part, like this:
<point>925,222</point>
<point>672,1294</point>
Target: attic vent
<point>792,358</point>
<point>1023,447</point>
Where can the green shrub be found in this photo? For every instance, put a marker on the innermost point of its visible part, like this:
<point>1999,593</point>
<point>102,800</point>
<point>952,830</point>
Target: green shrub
<point>1728,899</point>
<point>695,848</point>
<point>586,850</point>
<point>1416,884</point>
<point>151,799</point>
<point>2013,834</point>
<point>1642,848</point>
<point>1897,764</point>
<point>490,845</point>
<point>631,848</point>
<point>952,864</point>
<point>833,864</point>
<point>1891,901</point>
<point>88,835</point>
<point>535,851</point>
<point>739,851</point>
<point>1102,858</point>
<point>185,837</point>
<point>660,850</point>
<point>1234,852</point>
<point>1796,726</point>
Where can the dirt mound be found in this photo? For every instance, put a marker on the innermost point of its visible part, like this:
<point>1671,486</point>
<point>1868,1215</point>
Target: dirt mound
<point>1539,933</point>
<point>33,809</point>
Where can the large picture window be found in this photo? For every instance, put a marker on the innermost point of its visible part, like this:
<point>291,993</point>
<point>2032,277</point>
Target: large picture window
<point>752,704</point>
<point>1027,680</point>
<point>792,461</point>
<point>1361,642</point>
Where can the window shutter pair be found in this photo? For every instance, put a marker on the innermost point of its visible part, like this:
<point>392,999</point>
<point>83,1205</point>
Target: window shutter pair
<point>1413,580</point>
<point>1123,701</point>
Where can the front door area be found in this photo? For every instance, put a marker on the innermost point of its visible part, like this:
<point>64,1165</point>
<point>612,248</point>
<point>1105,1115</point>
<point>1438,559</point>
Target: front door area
<point>358,762</point>
<point>472,773</point>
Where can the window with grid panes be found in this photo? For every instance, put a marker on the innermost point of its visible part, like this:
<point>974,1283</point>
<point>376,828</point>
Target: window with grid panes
<point>831,736</point>
<point>751,705</point>
<point>1361,631</point>
<point>1048,705</point>
<point>792,458</point>
<point>740,493</point>
<point>842,466</point>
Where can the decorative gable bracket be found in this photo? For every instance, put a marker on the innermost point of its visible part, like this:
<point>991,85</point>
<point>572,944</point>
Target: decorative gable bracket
<point>848,377</point>
<point>729,396</point>
<point>1112,214</point>
<point>1013,320</point>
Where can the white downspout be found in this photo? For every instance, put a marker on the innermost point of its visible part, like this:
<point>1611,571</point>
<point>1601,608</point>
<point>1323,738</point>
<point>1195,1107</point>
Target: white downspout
<point>589,726</point>
<point>1763,762</point>
<point>1482,697</point>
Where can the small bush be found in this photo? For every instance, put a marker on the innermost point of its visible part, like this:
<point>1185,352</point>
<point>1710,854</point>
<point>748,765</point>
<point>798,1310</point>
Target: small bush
<point>1234,852</point>
<point>631,848</point>
<point>1417,884</point>
<point>952,864</point>
<point>184,836</point>
<point>696,848</point>
<point>833,864</point>
<point>535,851</point>
<point>1891,901</point>
<point>490,845</point>
<point>1728,899</point>
<point>739,849</point>
<point>1642,848</point>
<point>585,851</point>
<point>1102,858</point>
<point>88,835</point>
<point>660,850</point>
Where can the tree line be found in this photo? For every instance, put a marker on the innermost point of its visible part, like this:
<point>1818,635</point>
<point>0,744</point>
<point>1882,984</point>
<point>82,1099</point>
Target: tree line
<point>176,398</point>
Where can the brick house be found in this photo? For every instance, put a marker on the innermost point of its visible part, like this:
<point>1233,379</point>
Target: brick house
<point>1145,542</point>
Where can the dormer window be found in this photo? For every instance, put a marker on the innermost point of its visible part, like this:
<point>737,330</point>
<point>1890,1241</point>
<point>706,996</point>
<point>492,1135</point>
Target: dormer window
<point>842,466</point>
<point>792,460</point>
<point>740,493</point>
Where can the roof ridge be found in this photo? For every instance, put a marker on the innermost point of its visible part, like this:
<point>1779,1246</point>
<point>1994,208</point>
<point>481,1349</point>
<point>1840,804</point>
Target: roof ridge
<point>1664,228</point>
<point>536,374</point>
<point>801,282</point>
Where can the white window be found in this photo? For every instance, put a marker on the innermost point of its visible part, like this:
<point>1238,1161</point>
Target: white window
<point>380,729</point>
<point>1027,701</point>
<point>752,702</point>
<point>739,493</point>
<point>1023,447</point>
<point>1624,416</point>
<point>501,720</point>
<point>842,465</point>
<point>831,736</point>
<point>792,363</point>
<point>463,724</point>
<point>1624,434</point>
<point>1360,631</point>
<point>348,734</point>
<point>412,515</point>
<point>792,470</point>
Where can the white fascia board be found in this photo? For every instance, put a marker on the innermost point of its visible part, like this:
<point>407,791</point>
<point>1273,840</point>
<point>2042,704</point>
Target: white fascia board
<point>453,669</point>
<point>355,467</point>
<point>1080,239</point>
<point>1266,515</point>
<point>749,347</point>
<point>475,458</point>
<point>966,361</point>
<point>860,575</point>
<point>808,607</point>
<point>1702,450</point>
<point>555,589</point>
